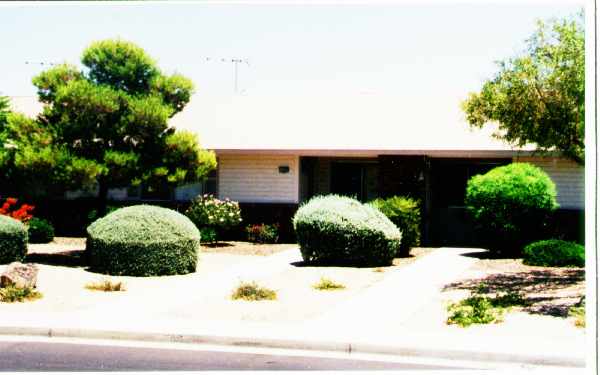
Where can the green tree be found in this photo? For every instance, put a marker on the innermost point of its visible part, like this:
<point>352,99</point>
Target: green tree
<point>539,97</point>
<point>105,126</point>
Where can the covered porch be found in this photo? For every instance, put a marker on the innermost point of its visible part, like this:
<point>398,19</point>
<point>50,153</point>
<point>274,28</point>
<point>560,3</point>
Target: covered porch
<point>437,182</point>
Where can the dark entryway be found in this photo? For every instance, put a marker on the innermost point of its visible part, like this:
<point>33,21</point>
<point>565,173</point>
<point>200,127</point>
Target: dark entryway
<point>358,180</point>
<point>438,183</point>
<point>449,224</point>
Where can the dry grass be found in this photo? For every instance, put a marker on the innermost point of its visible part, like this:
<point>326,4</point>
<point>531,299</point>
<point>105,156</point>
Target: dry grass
<point>253,292</point>
<point>327,284</point>
<point>106,285</point>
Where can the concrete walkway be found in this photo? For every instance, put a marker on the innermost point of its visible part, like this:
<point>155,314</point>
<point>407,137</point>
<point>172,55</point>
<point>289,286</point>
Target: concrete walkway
<point>401,293</point>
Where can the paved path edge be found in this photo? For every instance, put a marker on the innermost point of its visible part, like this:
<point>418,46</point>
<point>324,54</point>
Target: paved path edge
<point>314,345</point>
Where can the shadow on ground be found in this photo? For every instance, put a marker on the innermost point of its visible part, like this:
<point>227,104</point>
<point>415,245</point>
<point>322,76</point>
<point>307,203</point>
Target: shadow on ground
<point>73,258</point>
<point>546,292</point>
<point>395,262</point>
<point>217,244</point>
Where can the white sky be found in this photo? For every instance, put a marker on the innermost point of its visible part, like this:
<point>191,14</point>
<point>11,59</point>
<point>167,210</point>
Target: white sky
<point>386,75</point>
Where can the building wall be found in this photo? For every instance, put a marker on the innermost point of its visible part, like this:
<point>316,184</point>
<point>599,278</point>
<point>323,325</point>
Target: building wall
<point>256,178</point>
<point>568,178</point>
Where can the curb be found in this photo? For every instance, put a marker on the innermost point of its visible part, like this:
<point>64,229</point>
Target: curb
<point>309,345</point>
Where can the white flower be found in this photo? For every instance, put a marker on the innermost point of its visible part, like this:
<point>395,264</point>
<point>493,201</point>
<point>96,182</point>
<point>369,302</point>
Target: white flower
<point>231,214</point>
<point>221,220</point>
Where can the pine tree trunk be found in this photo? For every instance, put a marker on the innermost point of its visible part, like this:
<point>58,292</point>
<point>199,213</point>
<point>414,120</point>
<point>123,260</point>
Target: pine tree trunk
<point>102,197</point>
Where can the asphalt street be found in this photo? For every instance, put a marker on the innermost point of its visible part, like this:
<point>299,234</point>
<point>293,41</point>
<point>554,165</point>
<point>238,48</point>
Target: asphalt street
<point>56,356</point>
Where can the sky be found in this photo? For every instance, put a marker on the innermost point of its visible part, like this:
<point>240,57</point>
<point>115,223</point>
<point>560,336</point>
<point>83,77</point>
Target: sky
<point>430,54</point>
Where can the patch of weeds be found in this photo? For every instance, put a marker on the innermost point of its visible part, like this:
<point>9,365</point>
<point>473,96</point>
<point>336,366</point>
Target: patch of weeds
<point>509,299</point>
<point>253,292</point>
<point>473,310</point>
<point>106,285</point>
<point>13,294</point>
<point>578,312</point>
<point>327,284</point>
<point>481,309</point>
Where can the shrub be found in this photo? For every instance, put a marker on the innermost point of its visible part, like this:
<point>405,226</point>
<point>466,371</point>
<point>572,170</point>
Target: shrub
<point>206,211</point>
<point>262,233</point>
<point>253,292</point>
<point>554,253</point>
<point>143,241</point>
<point>405,213</point>
<point>511,206</point>
<point>340,230</point>
<point>13,240</point>
<point>208,235</point>
<point>40,230</point>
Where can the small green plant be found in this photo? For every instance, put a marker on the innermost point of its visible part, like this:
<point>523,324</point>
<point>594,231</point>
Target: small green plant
<point>40,230</point>
<point>13,294</point>
<point>481,309</point>
<point>578,312</point>
<point>509,299</point>
<point>473,310</point>
<point>262,233</point>
<point>405,213</point>
<point>253,292</point>
<point>327,284</point>
<point>554,253</point>
<point>208,235</point>
<point>106,285</point>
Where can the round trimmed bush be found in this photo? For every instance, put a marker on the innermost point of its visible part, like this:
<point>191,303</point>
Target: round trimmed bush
<point>405,213</point>
<point>13,240</point>
<point>40,230</point>
<point>143,241</point>
<point>511,206</point>
<point>554,253</point>
<point>337,230</point>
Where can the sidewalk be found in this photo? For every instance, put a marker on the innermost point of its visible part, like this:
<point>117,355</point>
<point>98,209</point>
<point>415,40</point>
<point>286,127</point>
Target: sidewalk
<point>381,319</point>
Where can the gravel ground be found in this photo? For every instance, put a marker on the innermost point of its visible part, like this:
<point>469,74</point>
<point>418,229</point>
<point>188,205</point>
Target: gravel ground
<point>245,248</point>
<point>63,276</point>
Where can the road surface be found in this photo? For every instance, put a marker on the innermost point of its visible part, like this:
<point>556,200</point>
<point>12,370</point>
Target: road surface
<point>23,355</point>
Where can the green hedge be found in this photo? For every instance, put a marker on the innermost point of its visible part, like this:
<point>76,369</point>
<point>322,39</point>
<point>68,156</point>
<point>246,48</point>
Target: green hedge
<point>511,206</point>
<point>13,240</point>
<point>143,241</point>
<point>40,230</point>
<point>405,213</point>
<point>337,230</point>
<point>554,253</point>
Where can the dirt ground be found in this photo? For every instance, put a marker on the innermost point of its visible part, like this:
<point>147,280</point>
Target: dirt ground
<point>245,248</point>
<point>63,276</point>
<point>550,291</point>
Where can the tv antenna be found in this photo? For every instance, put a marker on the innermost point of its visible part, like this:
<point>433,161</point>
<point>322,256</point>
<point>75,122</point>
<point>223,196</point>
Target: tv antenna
<point>236,62</point>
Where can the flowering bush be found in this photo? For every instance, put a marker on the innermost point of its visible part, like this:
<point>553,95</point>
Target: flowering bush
<point>263,233</point>
<point>23,213</point>
<point>206,211</point>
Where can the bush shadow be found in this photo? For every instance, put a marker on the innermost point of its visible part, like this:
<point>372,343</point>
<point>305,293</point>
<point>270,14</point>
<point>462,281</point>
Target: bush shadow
<point>217,245</point>
<point>71,258</point>
<point>349,265</point>
<point>537,287</point>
